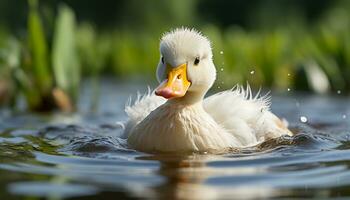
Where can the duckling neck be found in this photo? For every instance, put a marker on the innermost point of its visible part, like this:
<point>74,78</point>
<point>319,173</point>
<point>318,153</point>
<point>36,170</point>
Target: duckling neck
<point>191,98</point>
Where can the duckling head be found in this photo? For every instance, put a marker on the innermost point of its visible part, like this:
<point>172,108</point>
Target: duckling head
<point>186,67</point>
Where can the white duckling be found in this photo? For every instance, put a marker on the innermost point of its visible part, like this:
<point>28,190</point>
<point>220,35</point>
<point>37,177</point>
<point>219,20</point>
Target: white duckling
<point>178,118</point>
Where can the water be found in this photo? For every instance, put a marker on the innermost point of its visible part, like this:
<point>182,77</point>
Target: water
<point>80,156</point>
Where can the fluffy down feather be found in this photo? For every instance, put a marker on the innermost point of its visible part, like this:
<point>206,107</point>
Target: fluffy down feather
<point>241,117</point>
<point>138,109</point>
<point>244,115</point>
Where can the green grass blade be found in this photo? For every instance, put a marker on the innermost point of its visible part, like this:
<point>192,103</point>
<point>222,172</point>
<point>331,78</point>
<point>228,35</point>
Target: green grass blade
<point>65,61</point>
<point>39,50</point>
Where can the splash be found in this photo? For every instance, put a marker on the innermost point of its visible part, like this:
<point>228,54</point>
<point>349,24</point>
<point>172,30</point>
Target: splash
<point>303,119</point>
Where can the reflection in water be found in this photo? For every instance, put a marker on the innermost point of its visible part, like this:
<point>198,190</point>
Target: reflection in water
<point>186,178</point>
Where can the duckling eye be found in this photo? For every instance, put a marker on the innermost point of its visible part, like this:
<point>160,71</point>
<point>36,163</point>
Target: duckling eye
<point>162,59</point>
<point>196,61</point>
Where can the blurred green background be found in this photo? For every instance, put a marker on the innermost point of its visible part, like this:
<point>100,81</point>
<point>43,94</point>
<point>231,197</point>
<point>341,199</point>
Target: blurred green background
<point>48,47</point>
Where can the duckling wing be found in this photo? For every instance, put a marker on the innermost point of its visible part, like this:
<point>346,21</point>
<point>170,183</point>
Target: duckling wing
<point>140,108</point>
<point>245,116</point>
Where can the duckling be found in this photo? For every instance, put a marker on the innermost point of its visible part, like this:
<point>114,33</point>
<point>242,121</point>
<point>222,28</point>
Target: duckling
<point>177,117</point>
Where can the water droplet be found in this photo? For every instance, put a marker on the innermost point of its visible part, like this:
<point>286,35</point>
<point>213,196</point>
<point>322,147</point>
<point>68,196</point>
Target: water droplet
<point>288,89</point>
<point>222,82</point>
<point>344,116</point>
<point>218,87</point>
<point>303,119</point>
<point>221,52</point>
<point>288,74</point>
<point>338,92</point>
<point>252,72</point>
<point>222,69</point>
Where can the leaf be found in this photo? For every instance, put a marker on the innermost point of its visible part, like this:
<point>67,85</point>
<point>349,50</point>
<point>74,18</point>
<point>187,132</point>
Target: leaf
<point>38,49</point>
<point>64,58</point>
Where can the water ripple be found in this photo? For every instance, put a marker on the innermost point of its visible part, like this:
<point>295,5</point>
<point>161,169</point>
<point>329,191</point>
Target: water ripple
<point>88,157</point>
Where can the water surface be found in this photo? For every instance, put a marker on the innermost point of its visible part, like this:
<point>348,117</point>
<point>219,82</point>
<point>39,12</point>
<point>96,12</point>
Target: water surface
<point>80,156</point>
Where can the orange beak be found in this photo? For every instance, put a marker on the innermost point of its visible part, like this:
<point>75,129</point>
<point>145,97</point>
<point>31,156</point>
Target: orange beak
<point>176,85</point>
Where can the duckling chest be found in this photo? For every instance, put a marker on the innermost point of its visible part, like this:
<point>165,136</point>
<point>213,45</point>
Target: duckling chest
<point>169,121</point>
<point>169,129</point>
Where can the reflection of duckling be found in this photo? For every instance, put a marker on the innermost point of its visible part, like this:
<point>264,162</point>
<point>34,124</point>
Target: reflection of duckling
<point>186,122</point>
<point>187,176</point>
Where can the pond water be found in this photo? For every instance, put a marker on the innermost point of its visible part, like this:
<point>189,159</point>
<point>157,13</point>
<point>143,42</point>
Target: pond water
<point>80,156</point>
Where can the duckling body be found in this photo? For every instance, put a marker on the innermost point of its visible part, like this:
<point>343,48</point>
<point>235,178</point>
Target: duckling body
<point>186,128</point>
<point>189,122</point>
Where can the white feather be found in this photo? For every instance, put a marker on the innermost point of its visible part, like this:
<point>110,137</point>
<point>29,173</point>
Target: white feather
<point>138,109</point>
<point>245,116</point>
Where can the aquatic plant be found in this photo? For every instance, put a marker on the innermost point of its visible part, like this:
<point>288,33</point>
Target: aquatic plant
<point>9,62</point>
<point>47,76</point>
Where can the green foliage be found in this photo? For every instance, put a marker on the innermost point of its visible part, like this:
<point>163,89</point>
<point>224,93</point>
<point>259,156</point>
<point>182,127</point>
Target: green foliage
<point>134,54</point>
<point>64,56</point>
<point>296,55</point>
<point>9,62</point>
<point>275,58</point>
<point>38,49</point>
<point>47,77</point>
<point>94,49</point>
